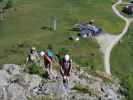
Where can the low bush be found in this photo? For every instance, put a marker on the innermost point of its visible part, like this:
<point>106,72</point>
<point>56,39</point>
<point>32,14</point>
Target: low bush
<point>35,69</point>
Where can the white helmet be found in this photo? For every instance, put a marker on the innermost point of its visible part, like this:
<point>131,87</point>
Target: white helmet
<point>67,57</point>
<point>42,53</point>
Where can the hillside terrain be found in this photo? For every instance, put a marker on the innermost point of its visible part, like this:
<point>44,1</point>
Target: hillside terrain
<point>122,62</point>
<point>18,85</point>
<point>23,25</point>
<point>27,23</point>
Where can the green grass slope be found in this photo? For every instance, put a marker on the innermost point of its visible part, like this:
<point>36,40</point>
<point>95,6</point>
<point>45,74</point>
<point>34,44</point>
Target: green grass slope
<point>22,28</point>
<point>122,62</point>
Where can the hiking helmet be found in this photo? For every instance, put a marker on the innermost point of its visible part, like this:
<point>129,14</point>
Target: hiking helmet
<point>33,48</point>
<point>67,57</point>
<point>42,53</point>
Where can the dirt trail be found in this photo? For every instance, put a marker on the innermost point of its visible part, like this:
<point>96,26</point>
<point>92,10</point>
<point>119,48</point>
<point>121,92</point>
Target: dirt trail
<point>107,42</point>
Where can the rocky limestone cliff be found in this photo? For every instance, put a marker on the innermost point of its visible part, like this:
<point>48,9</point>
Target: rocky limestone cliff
<point>15,84</point>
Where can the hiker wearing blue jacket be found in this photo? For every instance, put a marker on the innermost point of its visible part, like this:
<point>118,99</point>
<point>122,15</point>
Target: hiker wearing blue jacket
<point>48,62</point>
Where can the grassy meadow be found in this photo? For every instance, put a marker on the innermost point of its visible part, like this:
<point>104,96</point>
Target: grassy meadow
<point>28,23</point>
<point>122,64</point>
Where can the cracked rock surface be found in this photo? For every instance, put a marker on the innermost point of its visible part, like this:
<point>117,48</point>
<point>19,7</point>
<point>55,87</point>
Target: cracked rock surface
<point>18,85</point>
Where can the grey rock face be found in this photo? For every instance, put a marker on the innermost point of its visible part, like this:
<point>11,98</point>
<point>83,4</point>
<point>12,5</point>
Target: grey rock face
<point>16,92</point>
<point>4,77</point>
<point>15,84</point>
<point>18,85</point>
<point>12,69</point>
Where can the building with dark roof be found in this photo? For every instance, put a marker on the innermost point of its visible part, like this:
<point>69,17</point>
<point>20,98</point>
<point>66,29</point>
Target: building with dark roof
<point>89,30</point>
<point>128,9</point>
<point>131,1</point>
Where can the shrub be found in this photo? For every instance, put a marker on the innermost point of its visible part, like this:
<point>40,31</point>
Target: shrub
<point>8,4</point>
<point>35,69</point>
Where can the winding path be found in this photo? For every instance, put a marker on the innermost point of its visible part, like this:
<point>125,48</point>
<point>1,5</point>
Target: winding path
<point>107,42</point>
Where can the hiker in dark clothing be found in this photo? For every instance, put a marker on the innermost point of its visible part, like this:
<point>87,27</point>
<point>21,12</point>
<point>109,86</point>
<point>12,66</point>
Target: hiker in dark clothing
<point>65,69</point>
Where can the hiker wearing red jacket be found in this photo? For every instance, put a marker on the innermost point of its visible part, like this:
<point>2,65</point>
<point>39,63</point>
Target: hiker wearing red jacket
<point>48,62</point>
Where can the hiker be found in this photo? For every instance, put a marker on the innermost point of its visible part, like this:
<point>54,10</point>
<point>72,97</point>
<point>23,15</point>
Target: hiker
<point>61,55</point>
<point>33,56</point>
<point>48,62</point>
<point>65,69</point>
